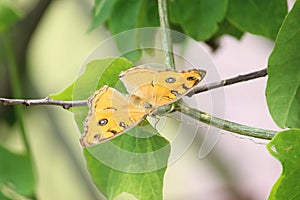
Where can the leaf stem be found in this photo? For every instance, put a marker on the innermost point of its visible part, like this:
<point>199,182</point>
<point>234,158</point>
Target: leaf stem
<point>165,33</point>
<point>226,125</point>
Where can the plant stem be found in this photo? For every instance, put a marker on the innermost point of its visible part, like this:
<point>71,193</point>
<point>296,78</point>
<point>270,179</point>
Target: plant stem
<point>226,125</point>
<point>165,33</point>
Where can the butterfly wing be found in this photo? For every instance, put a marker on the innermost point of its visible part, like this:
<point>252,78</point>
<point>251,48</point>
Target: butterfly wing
<point>110,114</point>
<point>136,77</point>
<point>159,88</point>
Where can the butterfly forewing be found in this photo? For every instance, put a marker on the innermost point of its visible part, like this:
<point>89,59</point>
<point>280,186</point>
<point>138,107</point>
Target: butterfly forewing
<point>160,87</point>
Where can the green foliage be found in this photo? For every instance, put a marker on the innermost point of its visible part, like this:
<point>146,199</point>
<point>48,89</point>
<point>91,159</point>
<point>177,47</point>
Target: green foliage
<point>136,177</point>
<point>225,27</point>
<point>135,162</point>
<point>286,148</point>
<point>97,73</point>
<point>125,17</point>
<point>16,175</point>
<point>262,17</point>
<point>283,86</point>
<point>143,165</point>
<point>8,16</point>
<point>198,18</point>
<point>101,12</point>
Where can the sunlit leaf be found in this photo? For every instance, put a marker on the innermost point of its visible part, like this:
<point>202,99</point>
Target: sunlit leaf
<point>283,86</point>
<point>286,148</point>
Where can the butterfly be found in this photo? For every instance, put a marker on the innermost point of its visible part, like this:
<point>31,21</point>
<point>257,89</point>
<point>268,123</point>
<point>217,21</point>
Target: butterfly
<point>112,113</point>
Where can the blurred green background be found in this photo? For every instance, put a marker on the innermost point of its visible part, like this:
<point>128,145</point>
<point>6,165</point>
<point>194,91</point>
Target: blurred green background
<point>54,57</point>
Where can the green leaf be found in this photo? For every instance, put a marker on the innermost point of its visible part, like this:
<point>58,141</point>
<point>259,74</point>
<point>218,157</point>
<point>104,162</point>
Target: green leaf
<point>146,153</point>
<point>262,17</point>
<point>16,175</point>
<point>125,17</point>
<point>128,15</point>
<point>286,148</point>
<point>226,28</point>
<point>198,18</point>
<point>8,16</point>
<point>135,165</point>
<point>97,73</point>
<point>283,86</point>
<point>148,14</point>
<point>101,12</point>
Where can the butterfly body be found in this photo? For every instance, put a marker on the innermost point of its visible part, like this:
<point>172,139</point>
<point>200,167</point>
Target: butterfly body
<point>112,113</point>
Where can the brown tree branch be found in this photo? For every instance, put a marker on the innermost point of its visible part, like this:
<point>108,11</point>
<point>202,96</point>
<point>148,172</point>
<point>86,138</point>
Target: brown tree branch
<point>44,101</point>
<point>230,81</point>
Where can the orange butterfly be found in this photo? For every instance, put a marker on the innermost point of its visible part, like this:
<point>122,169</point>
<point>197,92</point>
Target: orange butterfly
<point>112,113</point>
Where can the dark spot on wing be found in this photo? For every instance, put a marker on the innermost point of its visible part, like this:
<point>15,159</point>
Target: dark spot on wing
<point>185,87</point>
<point>111,108</point>
<point>113,131</point>
<point>191,78</point>
<point>136,98</point>
<point>175,92</point>
<point>102,122</point>
<point>168,98</point>
<point>97,136</point>
<point>123,125</point>
<point>170,80</point>
<point>152,83</point>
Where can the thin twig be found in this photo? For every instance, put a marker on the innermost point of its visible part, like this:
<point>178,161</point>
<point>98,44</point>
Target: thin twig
<point>165,33</point>
<point>230,81</point>
<point>45,101</point>
<point>68,104</point>
<point>226,125</point>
